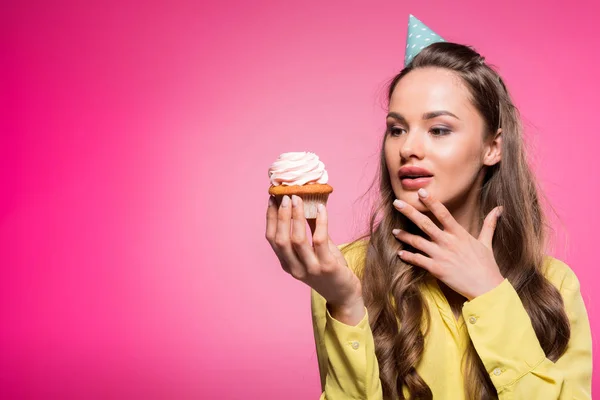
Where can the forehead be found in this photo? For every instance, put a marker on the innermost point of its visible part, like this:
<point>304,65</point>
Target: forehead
<point>430,89</point>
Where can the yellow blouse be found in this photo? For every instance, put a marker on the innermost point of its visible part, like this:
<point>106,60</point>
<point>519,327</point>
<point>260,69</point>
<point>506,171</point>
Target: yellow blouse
<point>501,332</point>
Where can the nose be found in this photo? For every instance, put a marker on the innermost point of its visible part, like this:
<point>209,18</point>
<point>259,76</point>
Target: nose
<point>413,145</point>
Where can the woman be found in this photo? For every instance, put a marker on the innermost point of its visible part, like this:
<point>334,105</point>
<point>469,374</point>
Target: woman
<point>450,295</point>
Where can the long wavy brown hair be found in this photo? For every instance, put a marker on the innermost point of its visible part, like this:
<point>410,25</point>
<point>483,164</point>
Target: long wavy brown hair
<point>519,243</point>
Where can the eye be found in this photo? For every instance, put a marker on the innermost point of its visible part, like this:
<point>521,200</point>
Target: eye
<point>440,131</point>
<point>396,131</point>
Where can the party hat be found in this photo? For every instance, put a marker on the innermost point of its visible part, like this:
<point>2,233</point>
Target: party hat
<point>419,37</point>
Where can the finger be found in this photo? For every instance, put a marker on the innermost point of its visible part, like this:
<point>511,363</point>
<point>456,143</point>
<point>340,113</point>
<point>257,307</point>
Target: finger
<point>416,241</point>
<point>489,227</point>
<point>321,237</point>
<point>300,243</point>
<point>282,236</point>
<point>421,220</point>
<point>419,260</point>
<point>440,211</point>
<point>272,230</point>
<point>271,221</point>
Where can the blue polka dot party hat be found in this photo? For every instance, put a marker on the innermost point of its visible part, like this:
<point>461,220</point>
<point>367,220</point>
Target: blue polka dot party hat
<point>419,37</point>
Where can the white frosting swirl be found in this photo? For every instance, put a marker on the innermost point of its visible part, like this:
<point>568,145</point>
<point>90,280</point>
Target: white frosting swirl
<point>297,168</point>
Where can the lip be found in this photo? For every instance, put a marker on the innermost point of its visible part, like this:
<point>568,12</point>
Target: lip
<point>413,170</point>
<point>412,184</point>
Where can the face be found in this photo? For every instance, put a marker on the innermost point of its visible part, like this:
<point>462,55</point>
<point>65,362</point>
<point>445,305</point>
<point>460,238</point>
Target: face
<point>433,125</point>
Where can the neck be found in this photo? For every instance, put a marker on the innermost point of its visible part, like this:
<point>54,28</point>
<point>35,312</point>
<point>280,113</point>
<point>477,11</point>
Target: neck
<point>466,210</point>
<point>467,214</point>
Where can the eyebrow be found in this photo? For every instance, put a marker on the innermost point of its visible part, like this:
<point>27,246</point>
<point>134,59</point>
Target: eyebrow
<point>426,116</point>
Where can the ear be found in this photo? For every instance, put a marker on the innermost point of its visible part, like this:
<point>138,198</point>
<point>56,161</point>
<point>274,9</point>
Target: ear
<point>493,150</point>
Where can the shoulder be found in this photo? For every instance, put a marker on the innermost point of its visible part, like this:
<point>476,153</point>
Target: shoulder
<point>560,274</point>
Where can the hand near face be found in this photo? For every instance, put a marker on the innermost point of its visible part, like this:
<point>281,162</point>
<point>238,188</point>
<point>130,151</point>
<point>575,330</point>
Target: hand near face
<point>464,263</point>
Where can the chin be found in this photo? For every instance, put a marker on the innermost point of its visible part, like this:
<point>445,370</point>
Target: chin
<point>419,206</point>
<point>412,197</point>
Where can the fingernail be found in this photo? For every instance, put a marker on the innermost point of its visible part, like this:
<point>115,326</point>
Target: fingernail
<point>423,193</point>
<point>285,202</point>
<point>294,201</point>
<point>499,211</point>
<point>399,203</point>
<point>271,201</point>
<point>400,253</point>
<point>395,231</point>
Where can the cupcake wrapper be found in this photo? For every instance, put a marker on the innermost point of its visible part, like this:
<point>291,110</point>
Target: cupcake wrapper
<point>310,202</point>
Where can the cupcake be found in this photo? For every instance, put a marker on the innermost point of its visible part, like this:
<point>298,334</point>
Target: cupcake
<point>301,174</point>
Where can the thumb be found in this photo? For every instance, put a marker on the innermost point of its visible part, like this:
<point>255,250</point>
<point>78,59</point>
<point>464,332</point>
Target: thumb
<point>489,226</point>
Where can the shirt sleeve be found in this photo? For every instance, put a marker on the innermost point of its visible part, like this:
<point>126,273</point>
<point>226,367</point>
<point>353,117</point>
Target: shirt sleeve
<point>347,363</point>
<point>505,340</point>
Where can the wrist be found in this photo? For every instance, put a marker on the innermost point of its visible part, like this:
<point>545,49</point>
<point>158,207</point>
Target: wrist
<point>350,313</point>
<point>493,284</point>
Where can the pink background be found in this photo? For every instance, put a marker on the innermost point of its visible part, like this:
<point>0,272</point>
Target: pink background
<point>135,142</point>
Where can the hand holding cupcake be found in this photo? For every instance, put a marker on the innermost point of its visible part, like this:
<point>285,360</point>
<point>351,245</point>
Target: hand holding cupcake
<point>299,192</point>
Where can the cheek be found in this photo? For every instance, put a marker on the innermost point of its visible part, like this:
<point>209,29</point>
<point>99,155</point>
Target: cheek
<point>459,156</point>
<point>458,170</point>
<point>391,156</point>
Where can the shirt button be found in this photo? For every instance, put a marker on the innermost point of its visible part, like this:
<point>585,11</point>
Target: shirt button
<point>472,320</point>
<point>497,371</point>
<point>355,345</point>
